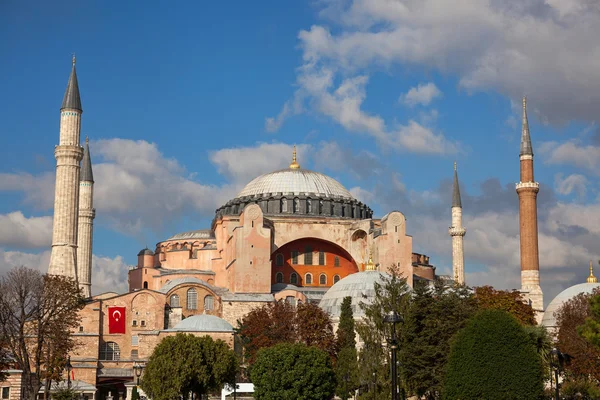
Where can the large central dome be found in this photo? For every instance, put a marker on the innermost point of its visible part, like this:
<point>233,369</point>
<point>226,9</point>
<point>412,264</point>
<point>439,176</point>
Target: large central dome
<point>295,181</point>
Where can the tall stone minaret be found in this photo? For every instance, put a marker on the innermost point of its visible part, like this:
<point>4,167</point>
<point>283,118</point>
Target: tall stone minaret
<point>457,232</point>
<point>527,189</point>
<point>87,213</point>
<point>68,153</point>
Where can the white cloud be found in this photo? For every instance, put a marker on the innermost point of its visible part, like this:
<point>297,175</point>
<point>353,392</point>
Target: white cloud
<point>573,183</point>
<point>16,230</point>
<point>417,138</point>
<point>572,152</point>
<point>545,49</point>
<point>38,189</point>
<point>423,95</point>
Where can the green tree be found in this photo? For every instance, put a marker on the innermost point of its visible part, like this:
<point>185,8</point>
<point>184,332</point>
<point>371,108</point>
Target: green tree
<point>292,371</point>
<point>590,329</point>
<point>493,358</point>
<point>63,393</point>
<point>185,364</point>
<point>511,301</point>
<point>346,368</point>
<point>37,315</point>
<point>436,312</point>
<point>392,294</point>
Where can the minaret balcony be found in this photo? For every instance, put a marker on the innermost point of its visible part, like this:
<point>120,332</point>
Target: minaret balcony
<point>528,185</point>
<point>454,231</point>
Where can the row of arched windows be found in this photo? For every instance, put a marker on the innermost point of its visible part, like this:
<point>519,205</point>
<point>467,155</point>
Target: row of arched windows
<point>308,278</point>
<point>308,258</point>
<point>192,300</point>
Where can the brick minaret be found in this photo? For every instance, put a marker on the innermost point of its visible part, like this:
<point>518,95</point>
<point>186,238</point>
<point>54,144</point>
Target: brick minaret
<point>527,190</point>
<point>68,153</point>
<point>87,213</point>
<point>457,232</point>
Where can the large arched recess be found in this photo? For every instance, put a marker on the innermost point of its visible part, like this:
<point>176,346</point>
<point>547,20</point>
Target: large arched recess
<point>282,262</point>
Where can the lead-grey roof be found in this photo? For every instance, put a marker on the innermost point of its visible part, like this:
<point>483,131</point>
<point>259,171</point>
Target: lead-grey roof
<point>72,99</point>
<point>203,323</point>
<point>456,191</point>
<point>295,181</point>
<point>146,252</point>
<point>179,281</point>
<point>526,148</point>
<point>197,234</point>
<point>86,165</point>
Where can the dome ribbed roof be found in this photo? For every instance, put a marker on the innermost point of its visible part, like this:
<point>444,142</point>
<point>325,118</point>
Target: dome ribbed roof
<point>296,181</point>
<point>549,319</point>
<point>360,286</point>
<point>203,323</point>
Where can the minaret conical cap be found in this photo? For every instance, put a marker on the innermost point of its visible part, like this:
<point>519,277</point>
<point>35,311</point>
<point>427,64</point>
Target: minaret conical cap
<point>86,164</point>
<point>526,148</point>
<point>72,99</point>
<point>592,278</point>
<point>456,190</point>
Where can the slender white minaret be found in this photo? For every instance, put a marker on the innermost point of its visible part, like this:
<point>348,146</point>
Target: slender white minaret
<point>87,213</point>
<point>527,189</point>
<point>457,232</point>
<point>68,153</point>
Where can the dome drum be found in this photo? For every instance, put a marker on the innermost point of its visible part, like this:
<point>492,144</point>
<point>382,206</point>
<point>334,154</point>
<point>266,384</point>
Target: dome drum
<point>305,204</point>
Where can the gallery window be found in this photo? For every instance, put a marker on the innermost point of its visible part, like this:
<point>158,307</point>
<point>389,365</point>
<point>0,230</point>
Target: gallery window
<point>279,260</point>
<point>308,256</point>
<point>308,279</point>
<point>279,277</point>
<point>322,279</point>
<point>308,206</point>
<point>295,257</point>
<point>321,258</point>
<point>209,303</point>
<point>296,205</point>
<point>192,299</point>
<point>336,261</point>
<point>110,351</point>
<point>174,302</point>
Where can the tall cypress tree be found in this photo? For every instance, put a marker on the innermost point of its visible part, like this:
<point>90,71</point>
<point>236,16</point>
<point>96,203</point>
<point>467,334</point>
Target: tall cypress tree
<point>346,369</point>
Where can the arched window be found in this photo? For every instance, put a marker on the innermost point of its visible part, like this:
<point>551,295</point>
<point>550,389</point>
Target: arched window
<point>145,285</point>
<point>294,278</point>
<point>322,279</point>
<point>279,277</point>
<point>336,261</point>
<point>192,299</point>
<point>291,300</point>
<point>320,207</point>
<point>296,205</point>
<point>308,206</point>
<point>308,256</point>
<point>174,302</point>
<point>284,205</point>
<point>308,279</point>
<point>336,278</point>
<point>279,260</point>
<point>209,303</point>
<point>110,351</point>
<point>321,257</point>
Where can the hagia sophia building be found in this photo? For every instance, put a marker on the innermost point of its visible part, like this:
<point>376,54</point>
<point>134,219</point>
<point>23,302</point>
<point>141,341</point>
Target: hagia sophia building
<point>293,235</point>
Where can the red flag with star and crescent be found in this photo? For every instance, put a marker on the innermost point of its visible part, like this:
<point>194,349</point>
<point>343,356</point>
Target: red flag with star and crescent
<point>116,319</point>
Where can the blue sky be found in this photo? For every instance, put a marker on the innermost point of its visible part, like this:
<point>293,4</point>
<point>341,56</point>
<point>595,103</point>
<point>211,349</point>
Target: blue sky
<point>185,103</point>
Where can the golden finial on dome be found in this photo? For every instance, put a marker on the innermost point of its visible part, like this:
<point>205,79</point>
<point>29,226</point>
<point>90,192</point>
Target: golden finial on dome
<point>370,266</point>
<point>592,278</point>
<point>294,164</point>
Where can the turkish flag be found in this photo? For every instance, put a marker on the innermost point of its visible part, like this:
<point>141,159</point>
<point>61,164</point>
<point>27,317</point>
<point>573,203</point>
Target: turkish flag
<point>116,319</point>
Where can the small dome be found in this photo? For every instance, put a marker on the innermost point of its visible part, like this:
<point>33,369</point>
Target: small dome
<point>360,286</point>
<point>197,234</point>
<point>203,323</point>
<point>549,319</point>
<point>296,181</point>
<point>146,252</point>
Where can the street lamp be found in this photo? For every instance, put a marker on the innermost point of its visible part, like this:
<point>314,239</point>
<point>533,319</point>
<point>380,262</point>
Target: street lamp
<point>69,368</point>
<point>137,368</point>
<point>393,318</point>
<point>557,360</point>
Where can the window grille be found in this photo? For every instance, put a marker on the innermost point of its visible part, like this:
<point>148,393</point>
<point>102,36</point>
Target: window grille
<point>134,354</point>
<point>209,303</point>
<point>134,340</point>
<point>308,279</point>
<point>336,261</point>
<point>322,279</point>
<point>321,258</point>
<point>174,301</point>
<point>294,257</point>
<point>192,299</point>
<point>110,351</point>
<point>308,256</point>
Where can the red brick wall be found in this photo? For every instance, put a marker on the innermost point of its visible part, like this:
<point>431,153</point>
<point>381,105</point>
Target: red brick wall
<point>346,266</point>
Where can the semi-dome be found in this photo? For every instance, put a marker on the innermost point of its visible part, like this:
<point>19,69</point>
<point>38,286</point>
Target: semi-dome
<point>298,192</point>
<point>360,286</point>
<point>549,319</point>
<point>203,323</point>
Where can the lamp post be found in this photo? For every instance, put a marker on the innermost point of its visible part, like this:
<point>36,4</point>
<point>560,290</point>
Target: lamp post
<point>69,368</point>
<point>393,318</point>
<point>137,368</point>
<point>556,361</point>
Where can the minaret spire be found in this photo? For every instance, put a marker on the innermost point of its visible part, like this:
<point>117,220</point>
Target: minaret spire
<point>457,232</point>
<point>87,213</point>
<point>68,154</point>
<point>527,189</point>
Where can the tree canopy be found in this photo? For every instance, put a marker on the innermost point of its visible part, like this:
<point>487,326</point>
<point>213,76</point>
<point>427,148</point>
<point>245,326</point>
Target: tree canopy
<point>493,358</point>
<point>280,322</point>
<point>292,371</point>
<point>590,329</point>
<point>185,364</point>
<point>511,301</point>
<point>346,367</point>
<point>37,315</point>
